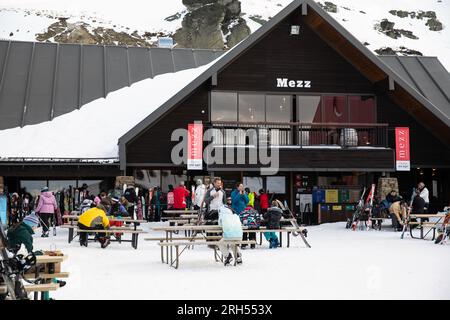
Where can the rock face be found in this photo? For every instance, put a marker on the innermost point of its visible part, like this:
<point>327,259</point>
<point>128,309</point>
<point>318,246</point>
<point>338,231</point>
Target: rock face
<point>209,23</point>
<point>402,50</point>
<point>387,27</point>
<point>433,23</point>
<point>328,6</point>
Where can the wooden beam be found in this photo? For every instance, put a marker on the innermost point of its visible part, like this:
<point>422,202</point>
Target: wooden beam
<point>391,84</point>
<point>214,79</point>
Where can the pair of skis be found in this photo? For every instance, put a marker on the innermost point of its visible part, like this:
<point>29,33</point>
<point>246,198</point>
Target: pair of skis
<point>443,237</point>
<point>294,222</point>
<point>362,207</point>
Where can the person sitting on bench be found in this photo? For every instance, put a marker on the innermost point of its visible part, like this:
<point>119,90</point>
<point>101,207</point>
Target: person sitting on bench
<point>117,210</point>
<point>231,230</point>
<point>272,220</point>
<point>95,219</point>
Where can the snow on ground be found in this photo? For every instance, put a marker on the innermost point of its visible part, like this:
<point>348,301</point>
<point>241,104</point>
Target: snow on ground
<point>102,121</point>
<point>341,264</point>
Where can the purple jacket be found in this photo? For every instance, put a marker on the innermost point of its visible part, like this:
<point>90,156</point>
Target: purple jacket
<point>47,203</point>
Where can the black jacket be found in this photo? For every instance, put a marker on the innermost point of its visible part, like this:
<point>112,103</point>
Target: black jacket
<point>272,218</point>
<point>418,205</point>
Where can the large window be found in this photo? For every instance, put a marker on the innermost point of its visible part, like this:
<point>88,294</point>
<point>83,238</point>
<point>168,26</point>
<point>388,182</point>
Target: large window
<point>34,187</point>
<point>251,108</point>
<point>362,109</point>
<point>223,106</point>
<point>309,109</point>
<point>278,108</point>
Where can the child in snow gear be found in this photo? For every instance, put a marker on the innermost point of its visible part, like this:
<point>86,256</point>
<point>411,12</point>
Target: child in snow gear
<point>21,233</point>
<point>95,219</point>
<point>117,210</point>
<point>272,221</point>
<point>231,230</point>
<point>250,218</point>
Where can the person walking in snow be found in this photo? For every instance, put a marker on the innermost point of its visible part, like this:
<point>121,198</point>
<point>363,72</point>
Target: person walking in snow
<point>214,198</point>
<point>231,230</point>
<point>46,209</point>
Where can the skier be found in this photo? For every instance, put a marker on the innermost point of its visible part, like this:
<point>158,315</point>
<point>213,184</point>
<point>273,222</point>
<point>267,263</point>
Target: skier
<point>231,230</point>
<point>263,201</point>
<point>130,195</point>
<point>46,209</point>
<point>398,212</point>
<point>95,219</point>
<point>250,219</point>
<point>180,193</point>
<point>170,197</point>
<point>272,220</point>
<point>200,192</point>
<point>21,233</point>
<point>239,198</point>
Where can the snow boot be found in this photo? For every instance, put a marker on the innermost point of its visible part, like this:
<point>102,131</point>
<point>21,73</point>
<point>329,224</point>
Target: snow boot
<point>239,258</point>
<point>44,234</point>
<point>228,260</point>
<point>275,243</point>
<point>104,242</point>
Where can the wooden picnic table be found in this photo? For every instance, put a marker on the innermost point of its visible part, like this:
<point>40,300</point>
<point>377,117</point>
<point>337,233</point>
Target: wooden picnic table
<point>422,224</point>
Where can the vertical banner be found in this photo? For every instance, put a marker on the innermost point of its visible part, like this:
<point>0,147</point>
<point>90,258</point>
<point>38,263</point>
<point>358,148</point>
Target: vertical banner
<point>402,155</point>
<point>195,146</point>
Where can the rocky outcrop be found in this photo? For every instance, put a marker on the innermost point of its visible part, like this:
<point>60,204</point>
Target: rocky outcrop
<point>328,6</point>
<point>214,24</point>
<point>401,50</point>
<point>387,27</point>
<point>432,21</point>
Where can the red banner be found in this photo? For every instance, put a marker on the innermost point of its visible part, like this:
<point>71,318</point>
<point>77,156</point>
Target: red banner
<point>195,146</point>
<point>402,155</point>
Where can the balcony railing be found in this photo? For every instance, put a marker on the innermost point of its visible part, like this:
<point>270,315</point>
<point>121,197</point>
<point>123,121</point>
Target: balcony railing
<point>345,135</point>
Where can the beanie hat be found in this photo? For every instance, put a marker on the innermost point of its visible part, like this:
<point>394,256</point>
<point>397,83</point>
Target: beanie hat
<point>115,199</point>
<point>32,220</point>
<point>45,189</point>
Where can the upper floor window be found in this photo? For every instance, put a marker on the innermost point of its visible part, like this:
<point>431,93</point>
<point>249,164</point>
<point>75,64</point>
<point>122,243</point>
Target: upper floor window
<point>224,106</point>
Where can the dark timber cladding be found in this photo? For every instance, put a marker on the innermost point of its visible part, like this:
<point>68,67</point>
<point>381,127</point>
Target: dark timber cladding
<point>334,62</point>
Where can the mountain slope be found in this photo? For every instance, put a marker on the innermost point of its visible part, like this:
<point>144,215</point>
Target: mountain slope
<point>385,27</point>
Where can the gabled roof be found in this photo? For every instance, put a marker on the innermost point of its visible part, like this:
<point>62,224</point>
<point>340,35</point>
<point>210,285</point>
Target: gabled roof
<point>383,70</point>
<point>40,81</point>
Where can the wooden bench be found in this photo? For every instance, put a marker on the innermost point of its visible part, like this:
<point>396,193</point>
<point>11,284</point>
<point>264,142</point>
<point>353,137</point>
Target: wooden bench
<point>421,224</point>
<point>118,230</point>
<point>217,257</point>
<point>44,287</point>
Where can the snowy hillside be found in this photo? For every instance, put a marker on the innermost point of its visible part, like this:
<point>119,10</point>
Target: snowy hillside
<point>406,32</point>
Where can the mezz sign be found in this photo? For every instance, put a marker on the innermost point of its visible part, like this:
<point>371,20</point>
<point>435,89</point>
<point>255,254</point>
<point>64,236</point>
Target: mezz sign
<point>287,83</point>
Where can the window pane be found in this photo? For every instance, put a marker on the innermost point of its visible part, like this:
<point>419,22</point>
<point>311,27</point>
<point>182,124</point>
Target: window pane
<point>335,109</point>
<point>93,186</point>
<point>251,108</point>
<point>309,109</point>
<point>362,109</point>
<point>34,187</point>
<point>278,108</point>
<point>59,185</point>
<point>223,106</point>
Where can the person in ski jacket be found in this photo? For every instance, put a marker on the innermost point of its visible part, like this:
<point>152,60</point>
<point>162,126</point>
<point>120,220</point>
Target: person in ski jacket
<point>14,209</point>
<point>263,201</point>
<point>200,192</point>
<point>95,219</point>
<point>46,209</point>
<point>170,197</point>
<point>21,233</point>
<point>250,219</point>
<point>398,211</point>
<point>251,197</point>
<point>239,198</point>
<point>272,220</point>
<point>180,193</point>
<point>231,230</point>
<point>424,194</point>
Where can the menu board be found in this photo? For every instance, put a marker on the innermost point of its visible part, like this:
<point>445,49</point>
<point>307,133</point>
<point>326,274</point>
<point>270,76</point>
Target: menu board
<point>276,184</point>
<point>253,183</point>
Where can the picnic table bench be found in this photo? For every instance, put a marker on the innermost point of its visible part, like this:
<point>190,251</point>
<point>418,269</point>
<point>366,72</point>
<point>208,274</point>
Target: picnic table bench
<point>47,268</point>
<point>134,231</point>
<point>432,225</point>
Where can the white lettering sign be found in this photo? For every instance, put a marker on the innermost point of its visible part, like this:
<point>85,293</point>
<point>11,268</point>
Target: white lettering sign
<point>286,83</point>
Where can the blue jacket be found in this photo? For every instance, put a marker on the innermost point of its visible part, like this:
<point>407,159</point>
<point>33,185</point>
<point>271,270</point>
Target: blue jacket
<point>238,201</point>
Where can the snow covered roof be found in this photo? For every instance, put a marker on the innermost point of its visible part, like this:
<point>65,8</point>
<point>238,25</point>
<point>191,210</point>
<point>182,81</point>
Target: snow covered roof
<point>93,131</point>
<point>41,81</point>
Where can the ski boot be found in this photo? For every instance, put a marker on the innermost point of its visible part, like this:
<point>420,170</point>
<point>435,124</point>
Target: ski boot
<point>305,232</point>
<point>104,242</point>
<point>44,234</point>
<point>228,260</point>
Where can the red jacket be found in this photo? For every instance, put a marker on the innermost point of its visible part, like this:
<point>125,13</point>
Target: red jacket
<point>179,196</point>
<point>264,201</point>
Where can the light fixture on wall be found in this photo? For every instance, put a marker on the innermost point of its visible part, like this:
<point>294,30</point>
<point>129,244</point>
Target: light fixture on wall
<point>295,30</point>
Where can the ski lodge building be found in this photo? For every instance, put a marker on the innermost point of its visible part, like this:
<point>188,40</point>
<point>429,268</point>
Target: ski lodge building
<point>310,90</point>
